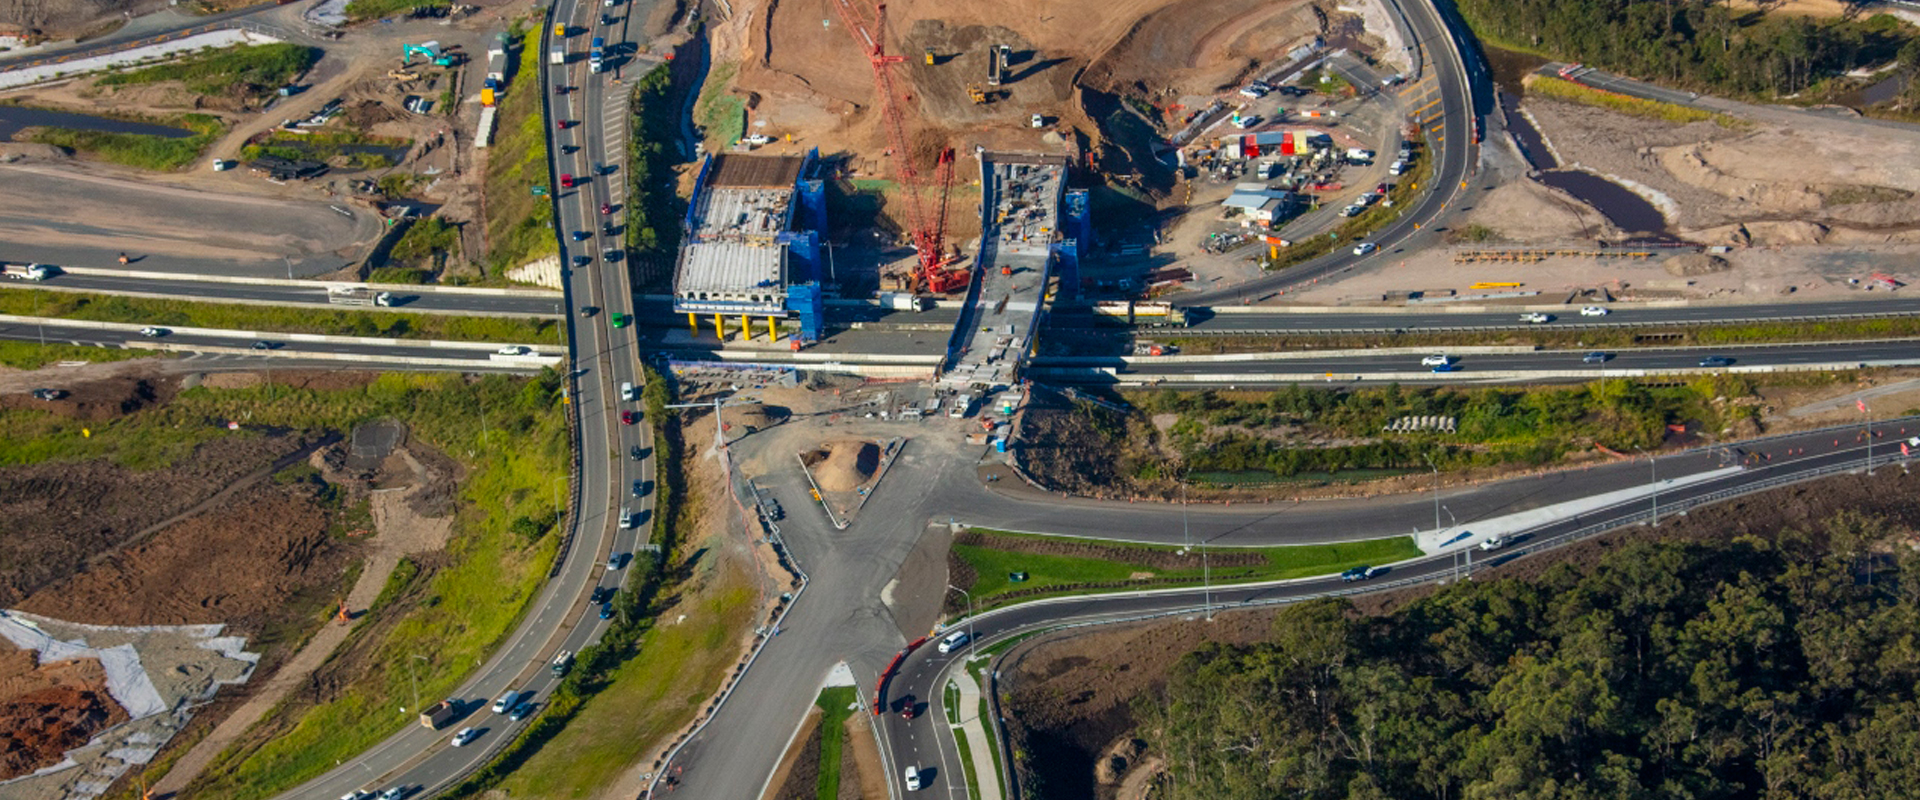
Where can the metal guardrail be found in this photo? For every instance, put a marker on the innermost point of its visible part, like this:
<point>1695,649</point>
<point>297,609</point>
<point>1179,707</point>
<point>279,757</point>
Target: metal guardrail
<point>1523,326</point>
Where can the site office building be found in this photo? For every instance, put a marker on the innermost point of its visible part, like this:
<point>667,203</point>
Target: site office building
<point>751,245</point>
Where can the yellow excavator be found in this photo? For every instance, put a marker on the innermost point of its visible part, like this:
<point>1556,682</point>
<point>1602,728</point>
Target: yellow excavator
<point>975,93</point>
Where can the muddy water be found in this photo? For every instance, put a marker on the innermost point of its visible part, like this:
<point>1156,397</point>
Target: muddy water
<point>13,119</point>
<point>1627,211</point>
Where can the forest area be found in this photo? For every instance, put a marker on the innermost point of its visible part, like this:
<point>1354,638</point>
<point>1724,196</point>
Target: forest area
<point>1756,666</point>
<point>1703,44</point>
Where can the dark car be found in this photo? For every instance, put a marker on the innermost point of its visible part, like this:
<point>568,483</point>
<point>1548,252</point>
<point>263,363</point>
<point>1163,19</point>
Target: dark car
<point>265,345</point>
<point>616,560</point>
<point>606,228</point>
<point>49,394</point>
<point>581,261</point>
<point>610,255</point>
<point>588,311</point>
<point>639,488</point>
<point>1359,574</point>
<point>1596,357</point>
<point>1716,361</point>
<point>599,595</point>
<point>638,453</point>
<point>606,611</point>
<point>581,236</point>
<point>629,417</point>
<point>1447,368</point>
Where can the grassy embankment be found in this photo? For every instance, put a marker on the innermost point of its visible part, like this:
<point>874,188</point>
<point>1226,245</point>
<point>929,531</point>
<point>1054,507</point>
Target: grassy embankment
<point>648,679</point>
<point>1553,338</point>
<point>1549,86</point>
<point>1053,575</point>
<point>277,319</point>
<point>420,250</point>
<point>1404,191</point>
<point>249,71</point>
<point>350,149</point>
<point>450,611</point>
<point>139,150</point>
<point>721,115</point>
<point>33,355</point>
<point>519,223</point>
<point>836,703</point>
<point>359,10</point>
<point>653,209</point>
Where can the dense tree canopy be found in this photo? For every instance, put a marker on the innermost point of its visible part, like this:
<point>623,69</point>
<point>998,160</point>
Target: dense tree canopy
<point>1674,670</point>
<point>1703,43</point>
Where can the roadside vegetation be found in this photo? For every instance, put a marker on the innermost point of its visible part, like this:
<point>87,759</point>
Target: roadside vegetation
<point>351,149</point>
<point>519,223</point>
<point>721,115</point>
<point>33,355</point>
<point>139,150</point>
<point>1767,665</point>
<point>276,319</point>
<point>360,10</point>
<point>997,567</point>
<point>836,704</point>
<point>1700,44</point>
<point>647,678</point>
<point>1549,86</point>
<point>421,252</point>
<point>655,207</point>
<point>1552,337</point>
<point>437,619</point>
<point>252,71</point>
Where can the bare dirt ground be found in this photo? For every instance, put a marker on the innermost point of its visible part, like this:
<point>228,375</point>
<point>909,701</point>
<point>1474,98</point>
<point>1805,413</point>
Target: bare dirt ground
<point>799,771</point>
<point>865,778</point>
<point>49,708</point>
<point>1069,695</point>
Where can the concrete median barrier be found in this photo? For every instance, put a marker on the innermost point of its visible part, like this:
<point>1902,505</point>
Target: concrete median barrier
<point>377,341</point>
<point>522,363</point>
<point>410,288</point>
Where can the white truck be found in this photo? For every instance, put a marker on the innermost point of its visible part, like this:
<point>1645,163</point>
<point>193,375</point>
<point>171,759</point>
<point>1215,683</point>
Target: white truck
<point>358,296</point>
<point>900,301</point>
<point>557,55</point>
<point>29,272</point>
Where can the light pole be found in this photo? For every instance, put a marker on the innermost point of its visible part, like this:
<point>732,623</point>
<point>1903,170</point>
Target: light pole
<point>1863,410</point>
<point>1653,477</point>
<point>969,597</point>
<point>1436,492</point>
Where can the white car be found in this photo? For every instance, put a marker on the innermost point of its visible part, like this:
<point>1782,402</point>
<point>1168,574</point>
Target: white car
<point>1436,361</point>
<point>512,350</point>
<point>954,641</point>
<point>1246,122</point>
<point>464,736</point>
<point>1536,318</point>
<point>1255,90</point>
<point>913,779</point>
<point>758,138</point>
<point>1494,543</point>
<point>1364,248</point>
<point>154,332</point>
<point>1038,121</point>
<point>1594,311</point>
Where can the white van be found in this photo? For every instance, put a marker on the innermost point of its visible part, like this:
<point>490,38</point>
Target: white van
<point>506,701</point>
<point>626,392</point>
<point>954,641</point>
<point>913,779</point>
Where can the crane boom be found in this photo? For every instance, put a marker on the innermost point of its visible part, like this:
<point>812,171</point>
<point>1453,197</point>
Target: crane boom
<point>928,233</point>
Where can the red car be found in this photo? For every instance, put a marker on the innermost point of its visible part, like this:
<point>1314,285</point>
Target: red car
<point>564,124</point>
<point>629,417</point>
<point>566,180</point>
<point>606,208</point>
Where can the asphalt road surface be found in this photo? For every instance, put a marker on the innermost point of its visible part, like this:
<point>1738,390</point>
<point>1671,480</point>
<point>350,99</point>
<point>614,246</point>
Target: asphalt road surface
<point>559,619</point>
<point>421,300</point>
<point>923,673</point>
<point>277,347</point>
<point>1434,317</point>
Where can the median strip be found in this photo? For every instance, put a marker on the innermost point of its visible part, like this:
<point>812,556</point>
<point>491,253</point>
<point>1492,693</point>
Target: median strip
<point>30,306</point>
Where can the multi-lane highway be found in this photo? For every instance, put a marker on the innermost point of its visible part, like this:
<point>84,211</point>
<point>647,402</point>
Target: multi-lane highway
<point>604,358</point>
<point>283,346</point>
<point>423,299</point>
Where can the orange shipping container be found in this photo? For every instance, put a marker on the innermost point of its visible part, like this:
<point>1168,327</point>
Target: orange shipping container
<point>486,96</point>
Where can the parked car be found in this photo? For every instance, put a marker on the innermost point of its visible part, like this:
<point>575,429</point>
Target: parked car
<point>1436,360</point>
<point>49,394</point>
<point>1716,361</point>
<point>1594,311</point>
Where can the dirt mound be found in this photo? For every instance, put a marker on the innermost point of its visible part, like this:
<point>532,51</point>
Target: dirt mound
<point>55,516</point>
<point>46,710</point>
<point>238,564</point>
<point>754,416</point>
<point>844,465</point>
<point>1688,265</point>
<point>368,113</point>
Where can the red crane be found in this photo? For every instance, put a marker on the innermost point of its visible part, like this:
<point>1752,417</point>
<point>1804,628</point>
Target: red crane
<point>929,232</point>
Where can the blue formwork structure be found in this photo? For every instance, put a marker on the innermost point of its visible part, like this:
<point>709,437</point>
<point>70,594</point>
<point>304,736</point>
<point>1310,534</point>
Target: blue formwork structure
<point>1076,225</point>
<point>807,301</point>
<point>809,224</point>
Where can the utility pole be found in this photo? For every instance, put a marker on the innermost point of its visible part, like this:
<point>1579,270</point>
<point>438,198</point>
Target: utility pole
<point>969,597</point>
<point>415,675</point>
<point>1436,492</point>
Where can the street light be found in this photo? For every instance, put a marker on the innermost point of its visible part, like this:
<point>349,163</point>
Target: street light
<point>1436,492</point>
<point>969,597</point>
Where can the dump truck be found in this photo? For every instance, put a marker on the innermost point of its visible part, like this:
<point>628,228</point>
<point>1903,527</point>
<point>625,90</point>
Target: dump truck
<point>29,272</point>
<point>438,714</point>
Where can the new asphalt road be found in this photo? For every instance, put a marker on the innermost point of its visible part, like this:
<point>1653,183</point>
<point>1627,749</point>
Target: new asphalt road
<point>924,742</point>
<point>559,619</point>
<point>425,300</point>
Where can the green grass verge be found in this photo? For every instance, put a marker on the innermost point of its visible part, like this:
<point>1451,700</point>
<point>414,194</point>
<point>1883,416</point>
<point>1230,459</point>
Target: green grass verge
<point>328,146</point>
<point>519,223</point>
<point>138,150</point>
<point>424,240</point>
<point>277,319</point>
<point>836,704</point>
<point>253,70</point>
<point>987,721</point>
<point>966,763</point>
<point>33,355</point>
<point>1073,575</point>
<point>450,616</point>
<point>358,10</point>
<point>719,112</point>
<point>1559,89</point>
<point>950,701</point>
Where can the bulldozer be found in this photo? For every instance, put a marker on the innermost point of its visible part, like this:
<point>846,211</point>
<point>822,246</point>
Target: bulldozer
<point>976,94</point>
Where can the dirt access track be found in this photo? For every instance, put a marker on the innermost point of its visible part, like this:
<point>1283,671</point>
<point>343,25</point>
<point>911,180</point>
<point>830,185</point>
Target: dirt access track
<point>818,86</point>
